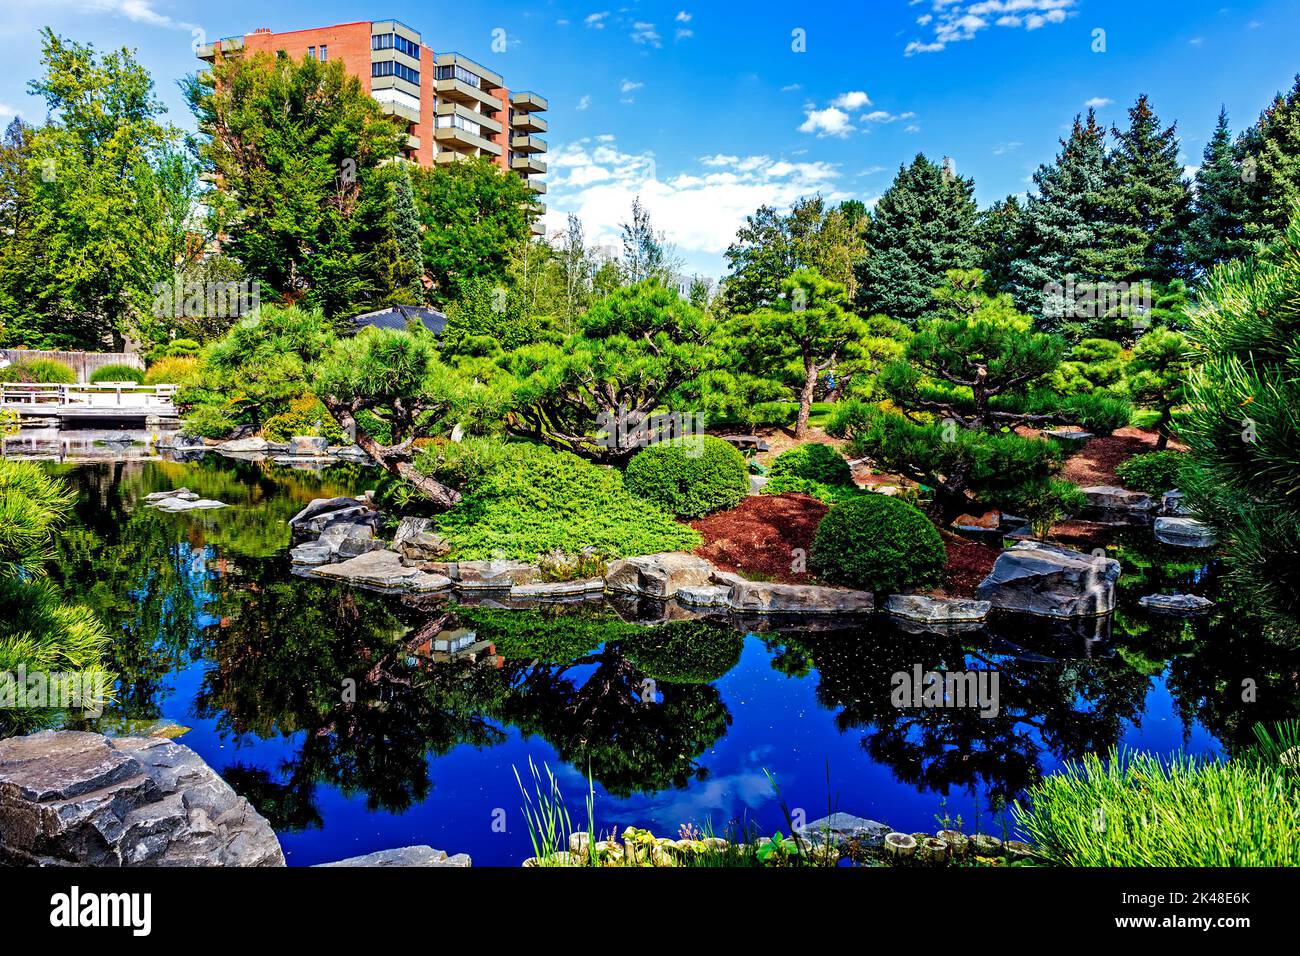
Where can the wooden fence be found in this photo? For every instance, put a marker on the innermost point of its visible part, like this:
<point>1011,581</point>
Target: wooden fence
<point>83,363</point>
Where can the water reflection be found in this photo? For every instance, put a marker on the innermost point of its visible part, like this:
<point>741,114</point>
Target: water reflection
<point>343,683</point>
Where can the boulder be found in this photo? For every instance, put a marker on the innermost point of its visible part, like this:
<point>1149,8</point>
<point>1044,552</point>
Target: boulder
<point>1069,434</point>
<point>187,503</point>
<point>548,589</point>
<point>79,799</point>
<point>933,610</point>
<point>1114,498</point>
<point>756,483</point>
<point>658,575</point>
<point>321,506</point>
<point>1184,532</point>
<point>243,446</point>
<point>1045,579</point>
<point>1179,604</point>
<point>988,521</point>
<point>384,570</point>
<point>485,575</point>
<point>161,495</point>
<point>1174,502</point>
<point>423,547</point>
<point>764,597</point>
<point>353,539</point>
<point>405,856</point>
<point>409,528</point>
<point>308,446</point>
<point>357,513</point>
<point>312,553</point>
<point>840,828</point>
<point>705,595</point>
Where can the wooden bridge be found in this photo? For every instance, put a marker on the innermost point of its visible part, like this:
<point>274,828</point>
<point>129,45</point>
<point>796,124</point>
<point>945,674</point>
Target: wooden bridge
<point>108,402</point>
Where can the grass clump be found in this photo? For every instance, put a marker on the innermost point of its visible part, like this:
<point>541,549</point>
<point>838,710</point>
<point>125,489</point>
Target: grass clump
<point>39,371</point>
<point>543,500</point>
<point>117,373</point>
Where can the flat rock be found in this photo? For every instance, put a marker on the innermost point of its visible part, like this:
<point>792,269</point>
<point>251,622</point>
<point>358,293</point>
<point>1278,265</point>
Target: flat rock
<point>989,520</point>
<point>1069,434</point>
<point>705,595</point>
<point>405,856</point>
<point>80,799</point>
<point>1184,532</point>
<point>161,495</point>
<point>383,569</point>
<point>658,575</point>
<point>423,547</point>
<point>842,827</point>
<point>243,446</point>
<point>311,553</point>
<point>1114,498</point>
<point>486,575</point>
<point>933,610</point>
<point>186,503</point>
<point>1046,579</point>
<point>320,506</point>
<point>546,589</point>
<point>764,597</point>
<point>308,446</point>
<point>1176,603</point>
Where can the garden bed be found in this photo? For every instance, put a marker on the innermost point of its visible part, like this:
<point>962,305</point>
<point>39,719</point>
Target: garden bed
<point>758,537</point>
<point>1095,463</point>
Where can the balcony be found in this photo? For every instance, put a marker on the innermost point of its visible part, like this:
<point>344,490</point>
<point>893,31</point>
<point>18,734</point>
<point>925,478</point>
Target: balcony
<point>529,123</point>
<point>412,141</point>
<point>491,79</point>
<point>527,164</point>
<point>458,91</point>
<point>538,228</point>
<point>408,113</point>
<point>461,140</point>
<point>536,185</point>
<point>206,51</point>
<point>527,101</point>
<point>523,143</point>
<point>464,112</point>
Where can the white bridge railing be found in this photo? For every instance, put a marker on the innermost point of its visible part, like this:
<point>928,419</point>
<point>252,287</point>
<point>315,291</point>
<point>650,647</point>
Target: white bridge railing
<point>107,395</point>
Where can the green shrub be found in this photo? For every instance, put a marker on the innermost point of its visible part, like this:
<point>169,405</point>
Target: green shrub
<point>830,494</point>
<point>40,371</point>
<point>813,462</point>
<point>208,421</point>
<point>1184,812</point>
<point>463,464</point>
<point>305,416</point>
<point>1044,501</point>
<point>1154,472</point>
<point>689,477</point>
<point>177,370</point>
<point>559,565</point>
<point>543,500</point>
<point>878,544</point>
<point>117,373</point>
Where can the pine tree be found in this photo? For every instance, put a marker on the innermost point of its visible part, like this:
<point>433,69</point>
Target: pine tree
<point>1272,166</point>
<point>1062,237</point>
<point>1001,230</point>
<point>923,226</point>
<point>1147,202</point>
<point>1217,231</point>
<point>406,233</point>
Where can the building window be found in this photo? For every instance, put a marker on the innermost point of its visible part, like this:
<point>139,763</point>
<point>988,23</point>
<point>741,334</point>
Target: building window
<point>324,53</point>
<point>395,41</point>
<point>447,122</point>
<point>399,70</point>
<point>459,73</point>
<point>311,52</point>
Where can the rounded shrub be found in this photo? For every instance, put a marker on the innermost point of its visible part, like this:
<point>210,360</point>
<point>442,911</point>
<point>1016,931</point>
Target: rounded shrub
<point>306,415</point>
<point>812,462</point>
<point>1154,472</point>
<point>40,371</point>
<point>878,543</point>
<point>117,373</point>
<point>689,477</point>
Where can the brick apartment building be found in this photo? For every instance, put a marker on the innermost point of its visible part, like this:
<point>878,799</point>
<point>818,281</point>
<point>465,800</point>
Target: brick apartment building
<point>454,107</point>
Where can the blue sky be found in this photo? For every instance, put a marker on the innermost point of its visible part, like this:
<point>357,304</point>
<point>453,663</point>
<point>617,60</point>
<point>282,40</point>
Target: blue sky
<point>707,110</point>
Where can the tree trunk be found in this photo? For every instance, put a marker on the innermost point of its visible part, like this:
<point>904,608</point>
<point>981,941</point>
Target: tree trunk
<point>1162,428</point>
<point>805,399</point>
<point>392,462</point>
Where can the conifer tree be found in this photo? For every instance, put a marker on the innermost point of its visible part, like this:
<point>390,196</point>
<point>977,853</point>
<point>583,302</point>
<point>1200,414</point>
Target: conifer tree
<point>1217,231</point>
<point>1063,235</point>
<point>1147,202</point>
<point>923,226</point>
<point>1272,167</point>
<point>1001,238</point>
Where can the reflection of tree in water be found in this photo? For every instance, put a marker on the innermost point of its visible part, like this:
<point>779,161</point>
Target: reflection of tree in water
<point>630,703</point>
<point>330,666</point>
<point>1063,707</point>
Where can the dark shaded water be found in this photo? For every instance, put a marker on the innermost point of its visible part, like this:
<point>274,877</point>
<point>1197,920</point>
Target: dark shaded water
<point>679,723</point>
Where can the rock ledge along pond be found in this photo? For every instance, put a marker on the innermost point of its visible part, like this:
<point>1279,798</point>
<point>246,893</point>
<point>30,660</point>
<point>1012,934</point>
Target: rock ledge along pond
<point>357,721</point>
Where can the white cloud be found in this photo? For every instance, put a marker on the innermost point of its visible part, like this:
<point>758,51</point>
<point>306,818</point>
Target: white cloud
<point>683,34</point>
<point>1097,102</point>
<point>596,21</point>
<point>956,20</point>
<point>584,102</point>
<point>791,88</point>
<point>627,86</point>
<point>683,17</point>
<point>1003,148</point>
<point>831,121</point>
<point>137,11</point>
<point>699,208</point>
<point>645,33</point>
<point>884,116</point>
<point>853,100</point>
<point>911,128</point>
<point>1196,41</point>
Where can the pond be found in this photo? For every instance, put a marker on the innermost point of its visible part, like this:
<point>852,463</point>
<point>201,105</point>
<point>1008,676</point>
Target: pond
<point>319,703</point>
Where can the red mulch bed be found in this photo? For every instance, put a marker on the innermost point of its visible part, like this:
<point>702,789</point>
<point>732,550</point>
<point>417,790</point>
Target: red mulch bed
<point>969,563</point>
<point>1094,463</point>
<point>757,538</point>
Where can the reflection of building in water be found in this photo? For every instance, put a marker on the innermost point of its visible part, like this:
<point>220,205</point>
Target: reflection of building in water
<point>458,644</point>
<point>83,444</point>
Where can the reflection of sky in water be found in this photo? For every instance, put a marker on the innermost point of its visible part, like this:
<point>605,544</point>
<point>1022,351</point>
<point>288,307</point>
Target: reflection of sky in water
<point>778,727</point>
